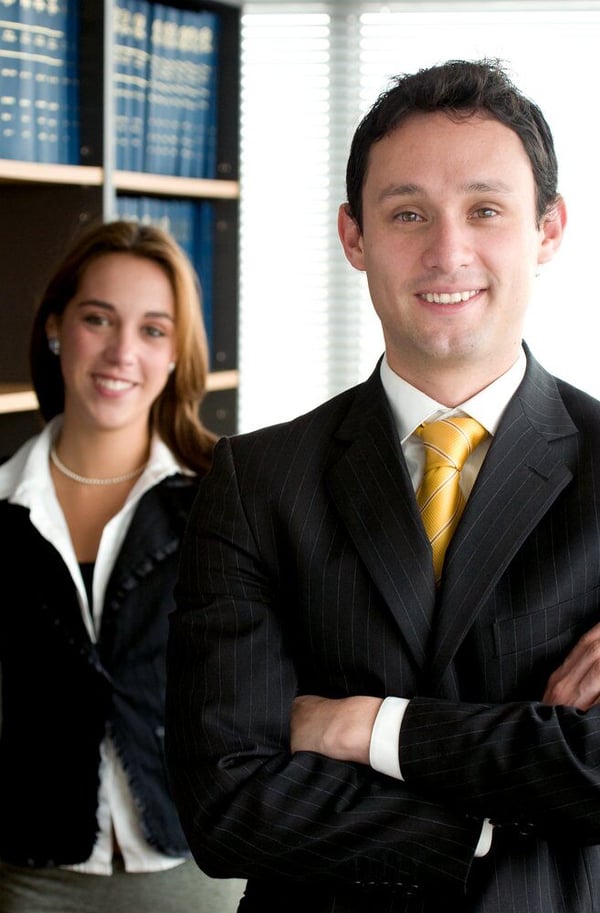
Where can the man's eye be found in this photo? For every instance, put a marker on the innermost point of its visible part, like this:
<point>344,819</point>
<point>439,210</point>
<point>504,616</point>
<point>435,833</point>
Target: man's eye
<point>486,212</point>
<point>408,217</point>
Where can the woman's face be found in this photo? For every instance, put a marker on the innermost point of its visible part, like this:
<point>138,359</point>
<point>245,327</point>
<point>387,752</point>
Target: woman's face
<point>117,341</point>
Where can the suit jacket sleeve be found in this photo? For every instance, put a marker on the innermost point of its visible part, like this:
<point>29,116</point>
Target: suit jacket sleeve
<point>248,807</point>
<point>523,764</point>
<point>521,588</point>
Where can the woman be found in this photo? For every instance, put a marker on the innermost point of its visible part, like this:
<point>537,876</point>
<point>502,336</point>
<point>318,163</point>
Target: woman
<point>93,510</point>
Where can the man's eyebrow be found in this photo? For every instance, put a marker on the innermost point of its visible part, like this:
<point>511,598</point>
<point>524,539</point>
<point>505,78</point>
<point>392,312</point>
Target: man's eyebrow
<point>401,190</point>
<point>488,187</point>
<point>410,189</point>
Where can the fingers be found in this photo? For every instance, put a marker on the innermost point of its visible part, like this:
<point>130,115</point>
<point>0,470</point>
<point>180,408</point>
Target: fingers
<point>576,682</point>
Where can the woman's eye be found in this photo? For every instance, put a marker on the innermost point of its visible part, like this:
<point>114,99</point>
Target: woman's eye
<point>154,332</point>
<point>96,320</point>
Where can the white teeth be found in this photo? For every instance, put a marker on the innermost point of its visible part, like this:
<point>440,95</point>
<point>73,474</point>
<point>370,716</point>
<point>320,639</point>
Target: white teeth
<point>111,384</point>
<point>449,297</point>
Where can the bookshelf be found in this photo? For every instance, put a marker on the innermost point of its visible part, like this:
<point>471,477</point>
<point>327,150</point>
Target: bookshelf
<point>44,205</point>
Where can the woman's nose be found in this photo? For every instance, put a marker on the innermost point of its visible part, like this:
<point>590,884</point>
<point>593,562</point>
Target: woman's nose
<point>121,346</point>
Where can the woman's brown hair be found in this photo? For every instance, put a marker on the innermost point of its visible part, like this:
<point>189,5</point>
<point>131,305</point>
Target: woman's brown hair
<point>175,415</point>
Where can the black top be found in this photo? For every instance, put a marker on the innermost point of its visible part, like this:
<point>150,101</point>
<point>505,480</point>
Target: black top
<point>87,572</point>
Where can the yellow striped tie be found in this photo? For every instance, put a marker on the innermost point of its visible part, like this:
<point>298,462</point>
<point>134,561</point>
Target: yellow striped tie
<point>448,443</point>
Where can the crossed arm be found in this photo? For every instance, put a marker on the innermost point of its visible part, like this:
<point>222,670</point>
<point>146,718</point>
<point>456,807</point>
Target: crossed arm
<point>342,729</point>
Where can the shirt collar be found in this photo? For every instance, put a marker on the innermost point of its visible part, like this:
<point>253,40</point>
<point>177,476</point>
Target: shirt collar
<point>26,475</point>
<point>411,407</point>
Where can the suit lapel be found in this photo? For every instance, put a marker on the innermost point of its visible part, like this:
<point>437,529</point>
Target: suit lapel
<point>523,474</point>
<point>372,492</point>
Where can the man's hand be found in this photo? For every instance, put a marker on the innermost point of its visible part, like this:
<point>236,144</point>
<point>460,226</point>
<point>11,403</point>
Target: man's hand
<point>576,683</point>
<point>340,729</point>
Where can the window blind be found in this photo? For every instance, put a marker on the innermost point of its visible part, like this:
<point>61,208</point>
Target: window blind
<point>309,72</point>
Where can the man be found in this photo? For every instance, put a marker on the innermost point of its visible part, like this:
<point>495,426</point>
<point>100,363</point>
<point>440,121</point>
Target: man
<point>364,713</point>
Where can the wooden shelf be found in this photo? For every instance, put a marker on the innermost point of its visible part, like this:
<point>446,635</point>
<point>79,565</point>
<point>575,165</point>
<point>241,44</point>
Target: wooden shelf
<point>17,398</point>
<point>133,181</point>
<point>140,182</point>
<point>39,173</point>
<point>222,380</point>
<point>21,398</point>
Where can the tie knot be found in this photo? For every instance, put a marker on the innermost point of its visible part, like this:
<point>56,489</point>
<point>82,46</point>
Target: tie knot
<point>450,441</point>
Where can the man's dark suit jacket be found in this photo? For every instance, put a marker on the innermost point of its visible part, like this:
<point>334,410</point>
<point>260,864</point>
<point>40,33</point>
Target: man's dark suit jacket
<point>306,570</point>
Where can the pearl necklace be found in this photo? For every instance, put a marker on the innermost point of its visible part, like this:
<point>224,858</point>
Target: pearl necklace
<point>84,480</point>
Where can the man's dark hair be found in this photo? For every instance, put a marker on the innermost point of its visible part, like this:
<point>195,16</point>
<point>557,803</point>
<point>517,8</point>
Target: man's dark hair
<point>460,88</point>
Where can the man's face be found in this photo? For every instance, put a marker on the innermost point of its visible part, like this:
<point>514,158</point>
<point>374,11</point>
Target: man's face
<point>450,244</point>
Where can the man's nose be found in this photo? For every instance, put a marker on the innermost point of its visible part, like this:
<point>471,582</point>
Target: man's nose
<point>449,246</point>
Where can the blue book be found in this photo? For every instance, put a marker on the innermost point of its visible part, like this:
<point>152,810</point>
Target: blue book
<point>203,258</point>
<point>192,224</point>
<point>128,208</point>
<point>69,138</point>
<point>38,73</point>
<point>131,64</point>
<point>198,60</point>
<point>161,105</point>
<point>182,103</point>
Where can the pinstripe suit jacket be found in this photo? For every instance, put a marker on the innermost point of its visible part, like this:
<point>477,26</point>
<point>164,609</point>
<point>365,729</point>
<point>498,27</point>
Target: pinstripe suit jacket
<point>306,570</point>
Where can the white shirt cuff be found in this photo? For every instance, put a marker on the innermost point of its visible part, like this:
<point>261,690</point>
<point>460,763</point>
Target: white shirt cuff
<point>384,748</point>
<point>485,839</point>
<point>384,755</point>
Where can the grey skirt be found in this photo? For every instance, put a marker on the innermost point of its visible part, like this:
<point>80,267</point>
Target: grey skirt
<point>183,889</point>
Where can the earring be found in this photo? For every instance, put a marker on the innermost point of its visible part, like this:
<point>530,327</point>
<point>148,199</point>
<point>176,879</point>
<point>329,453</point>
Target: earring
<point>54,345</point>
<point>170,367</point>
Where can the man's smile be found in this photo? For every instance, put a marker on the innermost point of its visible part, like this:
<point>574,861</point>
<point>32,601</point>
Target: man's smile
<point>448,297</point>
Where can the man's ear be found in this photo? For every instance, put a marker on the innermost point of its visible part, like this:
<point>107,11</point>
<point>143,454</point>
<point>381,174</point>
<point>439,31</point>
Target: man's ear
<point>552,228</point>
<point>351,237</point>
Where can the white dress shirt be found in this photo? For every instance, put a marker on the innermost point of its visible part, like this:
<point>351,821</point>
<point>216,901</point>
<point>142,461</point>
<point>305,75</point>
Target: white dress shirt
<point>25,479</point>
<point>411,408</point>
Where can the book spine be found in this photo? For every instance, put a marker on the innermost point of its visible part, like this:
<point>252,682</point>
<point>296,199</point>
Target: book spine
<point>132,19</point>
<point>16,92</point>
<point>161,109</point>
<point>203,259</point>
<point>38,79</point>
<point>198,42</point>
<point>69,130</point>
<point>182,93</point>
<point>127,208</point>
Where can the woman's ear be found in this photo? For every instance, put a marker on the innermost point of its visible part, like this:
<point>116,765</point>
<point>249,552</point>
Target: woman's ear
<point>52,326</point>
